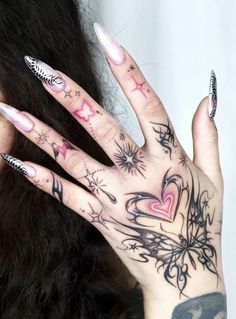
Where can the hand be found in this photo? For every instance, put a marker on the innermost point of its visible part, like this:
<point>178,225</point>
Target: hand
<point>160,211</point>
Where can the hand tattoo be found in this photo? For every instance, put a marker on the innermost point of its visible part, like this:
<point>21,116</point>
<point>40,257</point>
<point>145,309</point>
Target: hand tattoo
<point>130,158</point>
<point>175,253</point>
<point>57,188</point>
<point>165,137</point>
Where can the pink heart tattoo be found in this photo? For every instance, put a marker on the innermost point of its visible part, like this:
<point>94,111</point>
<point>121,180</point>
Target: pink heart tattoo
<point>165,207</point>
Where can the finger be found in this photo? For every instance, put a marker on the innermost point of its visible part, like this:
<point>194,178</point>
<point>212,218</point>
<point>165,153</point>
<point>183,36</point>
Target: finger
<point>72,159</point>
<point>69,194</point>
<point>146,103</point>
<point>99,124</point>
<point>205,142</point>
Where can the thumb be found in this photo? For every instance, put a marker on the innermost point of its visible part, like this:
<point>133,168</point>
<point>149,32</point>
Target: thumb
<point>205,137</point>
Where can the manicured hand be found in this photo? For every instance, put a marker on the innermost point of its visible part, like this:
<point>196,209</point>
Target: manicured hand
<point>160,211</point>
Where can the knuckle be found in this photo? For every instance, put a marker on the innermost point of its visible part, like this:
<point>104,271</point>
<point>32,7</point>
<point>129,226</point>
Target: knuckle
<point>107,131</point>
<point>153,107</point>
<point>73,165</point>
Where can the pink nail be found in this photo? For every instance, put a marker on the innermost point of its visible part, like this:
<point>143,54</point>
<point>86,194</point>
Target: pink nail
<point>112,48</point>
<point>17,118</point>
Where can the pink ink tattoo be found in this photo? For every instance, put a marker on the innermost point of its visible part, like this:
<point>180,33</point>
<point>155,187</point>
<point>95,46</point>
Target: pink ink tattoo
<point>163,210</point>
<point>61,149</point>
<point>139,87</point>
<point>85,112</point>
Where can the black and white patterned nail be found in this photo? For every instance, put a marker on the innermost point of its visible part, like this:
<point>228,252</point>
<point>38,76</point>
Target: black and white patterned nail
<point>18,165</point>
<point>212,96</point>
<point>45,74</point>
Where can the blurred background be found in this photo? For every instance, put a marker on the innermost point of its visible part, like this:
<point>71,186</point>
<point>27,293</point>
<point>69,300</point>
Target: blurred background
<point>176,44</point>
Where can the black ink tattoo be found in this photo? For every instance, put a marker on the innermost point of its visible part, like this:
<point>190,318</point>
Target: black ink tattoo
<point>97,217</point>
<point>14,163</point>
<point>165,207</point>
<point>183,159</point>
<point>131,68</point>
<point>77,93</point>
<point>42,137</point>
<point>122,136</point>
<point>96,185</point>
<point>57,188</point>
<point>68,94</point>
<point>210,306</point>
<point>175,253</point>
<point>130,158</point>
<point>165,137</point>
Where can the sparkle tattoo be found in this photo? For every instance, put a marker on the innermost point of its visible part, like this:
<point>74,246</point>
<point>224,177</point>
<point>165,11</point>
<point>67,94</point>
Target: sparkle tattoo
<point>139,87</point>
<point>68,94</point>
<point>96,186</point>
<point>183,159</point>
<point>165,137</point>
<point>131,68</point>
<point>130,158</point>
<point>97,217</point>
<point>42,137</point>
<point>57,188</point>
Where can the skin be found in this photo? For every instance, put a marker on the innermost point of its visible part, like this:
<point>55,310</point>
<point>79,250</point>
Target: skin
<point>147,193</point>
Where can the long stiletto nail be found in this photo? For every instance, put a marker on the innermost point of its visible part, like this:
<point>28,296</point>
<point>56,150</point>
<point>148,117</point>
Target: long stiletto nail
<point>112,48</point>
<point>212,96</point>
<point>46,74</point>
<point>18,165</point>
<point>17,118</point>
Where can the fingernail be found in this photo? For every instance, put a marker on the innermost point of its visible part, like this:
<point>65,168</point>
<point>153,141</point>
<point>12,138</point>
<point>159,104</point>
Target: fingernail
<point>46,74</point>
<point>17,118</point>
<point>112,48</point>
<point>212,96</point>
<point>18,165</point>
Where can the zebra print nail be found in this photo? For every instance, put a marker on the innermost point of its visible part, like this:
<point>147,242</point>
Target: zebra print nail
<point>212,95</point>
<point>18,165</point>
<point>45,73</point>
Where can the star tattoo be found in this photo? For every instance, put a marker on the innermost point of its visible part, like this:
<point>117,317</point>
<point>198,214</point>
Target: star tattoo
<point>130,158</point>
<point>139,87</point>
<point>183,159</point>
<point>131,68</point>
<point>122,136</point>
<point>96,185</point>
<point>68,94</point>
<point>133,247</point>
<point>42,137</point>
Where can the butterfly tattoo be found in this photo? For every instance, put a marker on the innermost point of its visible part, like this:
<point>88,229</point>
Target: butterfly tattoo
<point>177,254</point>
<point>85,112</point>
